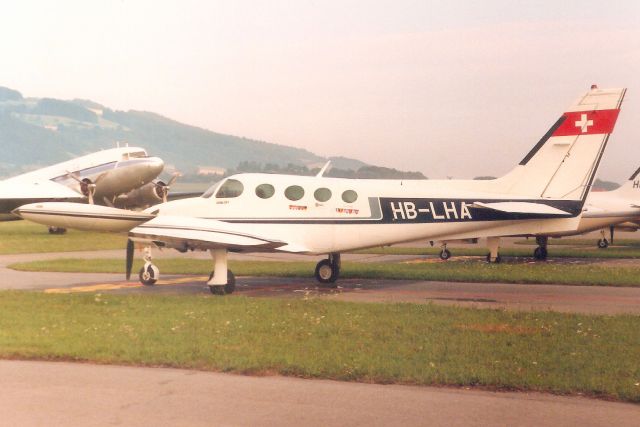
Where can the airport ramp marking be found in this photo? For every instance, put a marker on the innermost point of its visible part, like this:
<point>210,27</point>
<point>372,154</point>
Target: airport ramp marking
<point>124,285</point>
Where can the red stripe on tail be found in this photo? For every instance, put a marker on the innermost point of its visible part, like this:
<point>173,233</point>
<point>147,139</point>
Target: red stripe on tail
<point>587,122</point>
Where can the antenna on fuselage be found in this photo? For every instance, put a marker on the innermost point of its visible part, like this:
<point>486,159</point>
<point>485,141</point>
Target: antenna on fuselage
<point>324,168</point>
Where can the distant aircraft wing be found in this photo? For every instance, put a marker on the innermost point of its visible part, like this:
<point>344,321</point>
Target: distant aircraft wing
<point>198,233</point>
<point>522,207</point>
<point>36,189</point>
<point>82,216</point>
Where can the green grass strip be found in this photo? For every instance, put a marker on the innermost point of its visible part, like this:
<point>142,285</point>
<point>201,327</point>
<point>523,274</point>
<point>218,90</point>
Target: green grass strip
<point>381,343</point>
<point>458,271</point>
<point>25,237</point>
<point>629,251</point>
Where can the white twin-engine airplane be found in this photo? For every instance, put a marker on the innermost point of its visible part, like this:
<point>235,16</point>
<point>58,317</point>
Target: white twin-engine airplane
<point>544,194</point>
<point>96,176</point>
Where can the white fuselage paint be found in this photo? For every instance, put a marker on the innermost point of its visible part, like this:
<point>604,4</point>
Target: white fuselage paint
<point>311,226</point>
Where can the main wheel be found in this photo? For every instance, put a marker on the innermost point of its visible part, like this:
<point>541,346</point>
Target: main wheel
<point>327,273</point>
<point>540,253</point>
<point>224,289</point>
<point>149,275</point>
<point>445,254</point>
<point>603,244</point>
<point>57,230</point>
<point>496,261</point>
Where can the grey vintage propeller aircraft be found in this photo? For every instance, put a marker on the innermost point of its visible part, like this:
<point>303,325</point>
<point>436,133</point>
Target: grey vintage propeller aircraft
<point>544,194</point>
<point>99,177</point>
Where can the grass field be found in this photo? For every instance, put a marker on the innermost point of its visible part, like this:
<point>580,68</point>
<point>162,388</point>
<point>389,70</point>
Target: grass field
<point>383,343</point>
<point>560,251</point>
<point>460,271</point>
<point>26,237</point>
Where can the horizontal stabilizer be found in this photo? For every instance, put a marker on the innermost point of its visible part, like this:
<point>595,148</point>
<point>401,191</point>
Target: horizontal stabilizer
<point>522,207</point>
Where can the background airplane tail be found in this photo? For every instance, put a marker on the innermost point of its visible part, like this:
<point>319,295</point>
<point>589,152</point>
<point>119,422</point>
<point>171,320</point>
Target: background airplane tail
<point>630,189</point>
<point>562,165</point>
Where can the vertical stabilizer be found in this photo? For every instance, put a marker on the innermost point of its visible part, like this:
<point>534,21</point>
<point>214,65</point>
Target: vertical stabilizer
<point>562,165</point>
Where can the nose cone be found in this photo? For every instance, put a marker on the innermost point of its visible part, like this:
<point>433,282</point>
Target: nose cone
<point>155,165</point>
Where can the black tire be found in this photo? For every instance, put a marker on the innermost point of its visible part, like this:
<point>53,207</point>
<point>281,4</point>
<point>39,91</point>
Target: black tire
<point>445,254</point>
<point>496,261</point>
<point>57,230</point>
<point>228,288</point>
<point>148,276</point>
<point>327,273</point>
<point>540,253</point>
<point>603,244</point>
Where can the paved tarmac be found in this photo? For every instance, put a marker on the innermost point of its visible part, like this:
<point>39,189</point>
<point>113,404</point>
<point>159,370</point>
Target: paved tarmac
<point>69,394</point>
<point>46,393</point>
<point>576,299</point>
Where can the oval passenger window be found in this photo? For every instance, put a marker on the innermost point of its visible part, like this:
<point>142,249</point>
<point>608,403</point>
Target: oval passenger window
<point>322,194</point>
<point>349,196</point>
<point>294,192</point>
<point>264,191</point>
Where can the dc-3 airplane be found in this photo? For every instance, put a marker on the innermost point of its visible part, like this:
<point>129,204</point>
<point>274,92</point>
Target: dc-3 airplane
<point>102,177</point>
<point>543,194</point>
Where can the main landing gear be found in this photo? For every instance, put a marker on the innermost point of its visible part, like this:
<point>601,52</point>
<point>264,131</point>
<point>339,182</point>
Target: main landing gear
<point>540,253</point>
<point>57,230</point>
<point>221,280</point>
<point>604,243</point>
<point>445,253</point>
<point>493,243</point>
<point>328,270</point>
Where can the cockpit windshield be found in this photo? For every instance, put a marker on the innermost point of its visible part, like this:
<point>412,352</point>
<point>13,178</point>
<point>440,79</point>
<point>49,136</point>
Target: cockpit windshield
<point>211,190</point>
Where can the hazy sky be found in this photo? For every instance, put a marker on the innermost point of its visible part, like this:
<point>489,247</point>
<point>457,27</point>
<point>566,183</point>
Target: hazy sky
<point>451,88</point>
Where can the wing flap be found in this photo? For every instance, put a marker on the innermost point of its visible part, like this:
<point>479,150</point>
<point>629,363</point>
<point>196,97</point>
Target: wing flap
<point>197,233</point>
<point>522,207</point>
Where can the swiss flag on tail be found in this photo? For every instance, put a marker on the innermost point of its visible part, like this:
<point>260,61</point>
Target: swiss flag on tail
<point>587,122</point>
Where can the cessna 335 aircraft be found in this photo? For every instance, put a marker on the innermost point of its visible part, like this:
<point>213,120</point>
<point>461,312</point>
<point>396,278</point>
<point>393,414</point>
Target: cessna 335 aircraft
<point>543,194</point>
<point>96,176</point>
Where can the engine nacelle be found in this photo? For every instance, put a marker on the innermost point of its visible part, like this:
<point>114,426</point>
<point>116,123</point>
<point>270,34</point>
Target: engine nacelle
<point>148,195</point>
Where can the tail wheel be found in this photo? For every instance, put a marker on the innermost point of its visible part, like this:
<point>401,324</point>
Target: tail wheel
<point>603,244</point>
<point>149,275</point>
<point>445,254</point>
<point>228,288</point>
<point>327,273</point>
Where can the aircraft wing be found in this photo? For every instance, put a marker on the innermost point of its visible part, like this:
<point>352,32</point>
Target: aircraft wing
<point>36,189</point>
<point>522,207</point>
<point>184,233</point>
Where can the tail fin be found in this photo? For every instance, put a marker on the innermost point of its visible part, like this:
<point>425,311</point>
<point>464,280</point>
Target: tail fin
<point>631,187</point>
<point>562,165</point>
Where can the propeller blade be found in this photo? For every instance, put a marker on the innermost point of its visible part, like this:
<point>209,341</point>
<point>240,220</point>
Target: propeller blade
<point>130,249</point>
<point>173,179</point>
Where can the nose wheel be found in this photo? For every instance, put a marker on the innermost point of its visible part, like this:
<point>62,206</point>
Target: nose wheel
<point>149,274</point>
<point>328,270</point>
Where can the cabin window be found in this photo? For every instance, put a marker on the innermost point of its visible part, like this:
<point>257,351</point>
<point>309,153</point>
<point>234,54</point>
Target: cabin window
<point>264,191</point>
<point>349,196</point>
<point>230,188</point>
<point>322,194</point>
<point>294,192</point>
<point>134,155</point>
